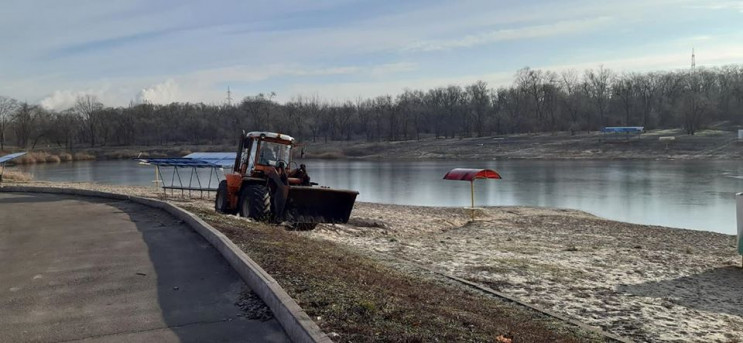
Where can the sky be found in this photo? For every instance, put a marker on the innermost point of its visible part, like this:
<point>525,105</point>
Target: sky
<point>163,51</point>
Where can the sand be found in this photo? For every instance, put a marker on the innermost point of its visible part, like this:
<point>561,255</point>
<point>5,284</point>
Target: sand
<point>647,283</point>
<point>643,282</point>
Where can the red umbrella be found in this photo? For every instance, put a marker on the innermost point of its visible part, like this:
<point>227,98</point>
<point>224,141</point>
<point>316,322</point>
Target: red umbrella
<point>465,174</point>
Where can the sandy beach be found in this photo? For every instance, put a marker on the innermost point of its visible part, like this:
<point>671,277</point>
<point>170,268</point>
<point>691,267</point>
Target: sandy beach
<point>646,283</point>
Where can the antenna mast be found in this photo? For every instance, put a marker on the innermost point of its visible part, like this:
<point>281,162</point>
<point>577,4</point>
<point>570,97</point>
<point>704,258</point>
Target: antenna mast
<point>693,61</point>
<point>229,97</point>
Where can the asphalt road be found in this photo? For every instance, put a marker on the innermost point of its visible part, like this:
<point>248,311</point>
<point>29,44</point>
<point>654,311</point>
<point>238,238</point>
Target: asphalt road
<point>97,270</point>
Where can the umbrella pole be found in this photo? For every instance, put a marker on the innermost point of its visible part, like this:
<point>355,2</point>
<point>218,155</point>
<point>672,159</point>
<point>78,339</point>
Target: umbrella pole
<point>472,198</point>
<point>472,193</point>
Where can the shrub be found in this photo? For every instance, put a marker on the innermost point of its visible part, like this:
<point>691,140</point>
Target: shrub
<point>16,176</point>
<point>65,157</point>
<point>83,156</point>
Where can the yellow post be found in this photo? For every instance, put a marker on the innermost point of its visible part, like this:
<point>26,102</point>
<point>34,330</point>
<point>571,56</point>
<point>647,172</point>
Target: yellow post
<point>157,178</point>
<point>472,194</point>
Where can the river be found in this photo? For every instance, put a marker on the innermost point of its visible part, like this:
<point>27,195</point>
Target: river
<point>686,194</point>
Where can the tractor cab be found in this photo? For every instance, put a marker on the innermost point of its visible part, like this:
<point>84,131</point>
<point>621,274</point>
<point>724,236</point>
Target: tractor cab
<point>262,151</point>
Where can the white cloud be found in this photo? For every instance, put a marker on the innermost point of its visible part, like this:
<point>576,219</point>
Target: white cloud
<point>64,99</point>
<point>162,93</point>
<point>538,31</point>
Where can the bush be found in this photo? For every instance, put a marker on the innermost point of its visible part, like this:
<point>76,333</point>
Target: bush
<point>65,157</point>
<point>120,154</point>
<point>16,176</point>
<point>26,159</point>
<point>82,156</point>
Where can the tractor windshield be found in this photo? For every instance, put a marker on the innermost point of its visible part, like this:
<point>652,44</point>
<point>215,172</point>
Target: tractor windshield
<point>273,153</point>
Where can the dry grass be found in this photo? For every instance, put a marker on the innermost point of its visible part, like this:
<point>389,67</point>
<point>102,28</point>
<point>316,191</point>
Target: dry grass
<point>16,176</point>
<point>362,300</point>
<point>123,154</point>
<point>83,156</point>
<point>46,157</point>
<point>32,158</point>
<point>65,157</point>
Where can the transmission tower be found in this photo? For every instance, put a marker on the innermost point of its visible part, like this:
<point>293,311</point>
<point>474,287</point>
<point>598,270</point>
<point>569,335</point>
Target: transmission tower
<point>229,96</point>
<point>693,61</point>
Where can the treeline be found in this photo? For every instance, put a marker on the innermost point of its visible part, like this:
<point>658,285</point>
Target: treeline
<point>537,101</point>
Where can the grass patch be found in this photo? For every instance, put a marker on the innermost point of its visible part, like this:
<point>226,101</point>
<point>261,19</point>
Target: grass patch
<point>65,157</point>
<point>83,156</point>
<point>120,154</point>
<point>364,301</point>
<point>16,176</point>
<point>53,159</point>
<point>711,133</point>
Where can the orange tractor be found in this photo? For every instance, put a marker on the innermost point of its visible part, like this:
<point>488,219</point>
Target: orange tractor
<point>266,185</point>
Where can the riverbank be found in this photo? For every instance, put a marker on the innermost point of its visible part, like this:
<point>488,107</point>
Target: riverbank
<point>648,283</point>
<point>705,145</point>
<point>56,155</point>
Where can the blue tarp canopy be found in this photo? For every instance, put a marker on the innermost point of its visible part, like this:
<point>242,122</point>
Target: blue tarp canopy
<point>623,129</point>
<point>196,160</point>
<point>222,159</point>
<point>9,157</point>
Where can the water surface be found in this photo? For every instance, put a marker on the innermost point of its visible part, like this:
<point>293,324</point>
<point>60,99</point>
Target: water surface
<point>685,194</point>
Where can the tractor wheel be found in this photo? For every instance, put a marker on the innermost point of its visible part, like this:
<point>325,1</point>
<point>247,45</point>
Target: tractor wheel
<point>255,202</point>
<point>222,202</point>
<point>304,226</point>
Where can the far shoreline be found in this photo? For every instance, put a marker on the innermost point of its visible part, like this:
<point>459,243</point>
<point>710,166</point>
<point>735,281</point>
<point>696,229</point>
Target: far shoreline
<point>705,145</point>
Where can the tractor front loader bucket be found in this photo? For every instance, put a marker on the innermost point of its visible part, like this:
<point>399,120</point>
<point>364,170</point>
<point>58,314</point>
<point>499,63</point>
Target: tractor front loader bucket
<point>318,205</point>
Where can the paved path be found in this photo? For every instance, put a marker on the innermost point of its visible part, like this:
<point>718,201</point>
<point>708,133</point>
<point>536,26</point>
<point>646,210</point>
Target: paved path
<point>97,270</point>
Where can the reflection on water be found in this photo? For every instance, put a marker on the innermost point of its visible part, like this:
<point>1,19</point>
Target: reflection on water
<point>119,172</point>
<point>688,194</point>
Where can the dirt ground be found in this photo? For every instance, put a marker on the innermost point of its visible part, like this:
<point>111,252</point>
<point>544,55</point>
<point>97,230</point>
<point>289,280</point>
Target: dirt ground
<point>647,283</point>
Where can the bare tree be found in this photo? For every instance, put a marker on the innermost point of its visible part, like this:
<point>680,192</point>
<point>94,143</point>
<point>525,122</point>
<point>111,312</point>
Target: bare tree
<point>694,108</point>
<point>646,88</point>
<point>570,87</point>
<point>23,120</point>
<point>530,81</point>
<point>7,107</point>
<point>597,85</point>
<point>624,91</point>
<point>87,106</point>
<point>479,100</point>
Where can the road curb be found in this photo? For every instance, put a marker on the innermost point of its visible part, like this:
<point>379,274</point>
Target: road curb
<point>296,323</point>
